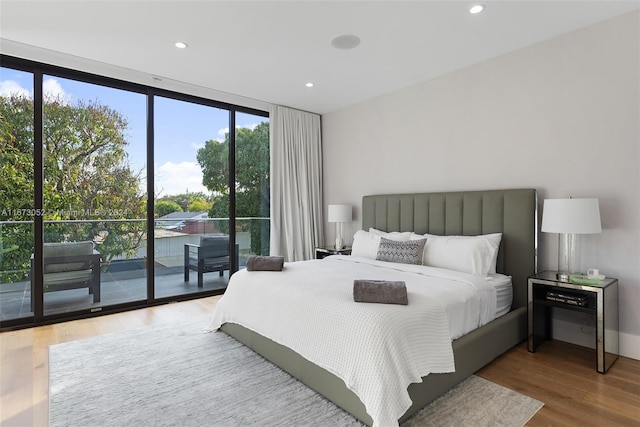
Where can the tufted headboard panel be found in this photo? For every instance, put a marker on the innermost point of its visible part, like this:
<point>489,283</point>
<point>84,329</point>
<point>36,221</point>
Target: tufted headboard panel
<point>510,212</point>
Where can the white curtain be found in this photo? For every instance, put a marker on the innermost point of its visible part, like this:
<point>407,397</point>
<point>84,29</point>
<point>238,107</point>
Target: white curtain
<point>296,183</point>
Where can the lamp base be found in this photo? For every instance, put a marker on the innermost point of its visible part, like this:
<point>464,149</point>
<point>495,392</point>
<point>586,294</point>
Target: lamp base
<point>339,243</point>
<point>568,255</point>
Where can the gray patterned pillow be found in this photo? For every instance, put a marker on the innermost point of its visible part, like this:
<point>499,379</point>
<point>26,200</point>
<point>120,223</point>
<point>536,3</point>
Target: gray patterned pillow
<point>409,252</point>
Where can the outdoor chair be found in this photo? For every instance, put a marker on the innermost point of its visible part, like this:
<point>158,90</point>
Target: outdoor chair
<point>70,265</point>
<point>212,254</point>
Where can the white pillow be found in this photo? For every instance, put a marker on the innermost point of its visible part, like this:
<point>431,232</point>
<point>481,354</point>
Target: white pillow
<point>394,235</point>
<point>468,254</point>
<point>365,244</point>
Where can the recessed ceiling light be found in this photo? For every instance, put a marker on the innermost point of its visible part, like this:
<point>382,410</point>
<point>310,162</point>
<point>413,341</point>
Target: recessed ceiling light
<point>476,8</point>
<point>181,45</point>
<point>309,84</point>
<point>347,41</point>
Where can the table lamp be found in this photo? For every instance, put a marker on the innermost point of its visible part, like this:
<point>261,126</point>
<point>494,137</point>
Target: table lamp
<point>570,217</point>
<point>339,214</point>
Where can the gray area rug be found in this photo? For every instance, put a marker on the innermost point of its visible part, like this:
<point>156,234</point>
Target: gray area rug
<point>179,376</point>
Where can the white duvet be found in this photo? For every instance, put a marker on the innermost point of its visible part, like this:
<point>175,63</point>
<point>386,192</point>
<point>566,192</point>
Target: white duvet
<point>376,349</point>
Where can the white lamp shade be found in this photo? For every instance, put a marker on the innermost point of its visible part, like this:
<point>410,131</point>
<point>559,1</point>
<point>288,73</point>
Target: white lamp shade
<point>339,213</point>
<point>571,216</point>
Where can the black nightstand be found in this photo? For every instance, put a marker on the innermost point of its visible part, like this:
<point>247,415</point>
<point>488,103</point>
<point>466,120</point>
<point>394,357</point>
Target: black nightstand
<point>331,250</point>
<point>546,291</point>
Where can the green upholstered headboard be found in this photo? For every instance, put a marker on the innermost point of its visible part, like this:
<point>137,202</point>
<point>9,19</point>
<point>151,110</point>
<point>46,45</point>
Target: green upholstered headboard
<point>510,212</point>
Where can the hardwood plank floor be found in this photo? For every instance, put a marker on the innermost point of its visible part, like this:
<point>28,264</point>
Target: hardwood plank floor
<point>564,377</point>
<point>561,375</point>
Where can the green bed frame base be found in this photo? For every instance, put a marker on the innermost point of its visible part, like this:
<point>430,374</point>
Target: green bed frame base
<point>472,352</point>
<point>512,212</point>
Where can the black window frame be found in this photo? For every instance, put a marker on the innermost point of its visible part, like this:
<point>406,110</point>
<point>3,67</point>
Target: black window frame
<point>39,70</point>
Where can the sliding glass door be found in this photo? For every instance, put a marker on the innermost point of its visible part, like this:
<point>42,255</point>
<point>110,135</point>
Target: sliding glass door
<point>117,195</point>
<point>252,185</point>
<point>16,187</point>
<point>191,231</point>
<point>94,146</point>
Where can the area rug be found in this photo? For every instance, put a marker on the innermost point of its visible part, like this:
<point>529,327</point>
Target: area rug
<point>179,376</point>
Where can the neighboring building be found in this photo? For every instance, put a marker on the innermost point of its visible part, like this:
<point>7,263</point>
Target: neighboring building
<point>186,222</point>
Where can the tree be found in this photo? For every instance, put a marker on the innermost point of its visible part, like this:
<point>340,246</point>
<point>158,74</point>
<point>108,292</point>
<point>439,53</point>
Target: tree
<point>184,200</point>
<point>251,180</point>
<point>199,205</point>
<point>87,177</point>
<point>165,207</point>
<point>16,186</point>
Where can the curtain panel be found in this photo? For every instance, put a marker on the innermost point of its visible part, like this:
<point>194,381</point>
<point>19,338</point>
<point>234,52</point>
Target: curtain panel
<point>296,184</point>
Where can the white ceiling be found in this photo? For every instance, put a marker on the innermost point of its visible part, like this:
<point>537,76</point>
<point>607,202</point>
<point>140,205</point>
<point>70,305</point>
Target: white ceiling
<point>268,50</point>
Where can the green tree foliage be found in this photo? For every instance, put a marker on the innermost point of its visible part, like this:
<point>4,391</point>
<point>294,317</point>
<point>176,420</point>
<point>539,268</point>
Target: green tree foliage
<point>199,205</point>
<point>165,207</point>
<point>252,180</point>
<point>87,176</point>
<point>184,200</point>
<point>16,185</point>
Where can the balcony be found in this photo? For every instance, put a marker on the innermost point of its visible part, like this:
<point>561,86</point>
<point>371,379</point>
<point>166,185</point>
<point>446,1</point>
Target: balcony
<point>122,280</point>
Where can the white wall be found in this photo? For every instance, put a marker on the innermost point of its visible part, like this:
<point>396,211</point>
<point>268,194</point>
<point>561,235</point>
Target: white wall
<point>561,116</point>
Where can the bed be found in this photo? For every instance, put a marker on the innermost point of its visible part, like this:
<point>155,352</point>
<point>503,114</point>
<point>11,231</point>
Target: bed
<point>509,212</point>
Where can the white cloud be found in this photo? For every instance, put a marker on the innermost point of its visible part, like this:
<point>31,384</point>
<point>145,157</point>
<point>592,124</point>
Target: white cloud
<point>52,90</point>
<point>196,146</point>
<point>222,132</point>
<point>10,88</point>
<point>176,178</point>
<point>251,126</point>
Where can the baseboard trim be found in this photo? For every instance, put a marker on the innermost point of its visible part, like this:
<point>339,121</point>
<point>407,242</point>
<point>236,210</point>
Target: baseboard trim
<point>630,346</point>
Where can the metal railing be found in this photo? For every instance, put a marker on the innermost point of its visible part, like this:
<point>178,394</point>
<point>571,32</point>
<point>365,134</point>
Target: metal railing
<point>124,239</point>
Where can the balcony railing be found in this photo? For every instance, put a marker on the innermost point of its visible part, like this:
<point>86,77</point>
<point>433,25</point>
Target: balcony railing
<point>124,253</point>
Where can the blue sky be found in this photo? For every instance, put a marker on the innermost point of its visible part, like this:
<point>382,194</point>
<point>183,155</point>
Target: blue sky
<point>180,128</point>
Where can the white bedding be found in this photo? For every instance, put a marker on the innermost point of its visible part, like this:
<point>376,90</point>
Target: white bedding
<point>504,293</point>
<point>376,349</point>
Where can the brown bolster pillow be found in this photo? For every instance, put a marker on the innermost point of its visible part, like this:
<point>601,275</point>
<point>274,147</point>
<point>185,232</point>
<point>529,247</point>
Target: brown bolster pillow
<point>265,263</point>
<point>380,291</point>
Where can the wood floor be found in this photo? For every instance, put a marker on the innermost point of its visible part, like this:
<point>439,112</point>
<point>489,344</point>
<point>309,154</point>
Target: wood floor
<point>561,375</point>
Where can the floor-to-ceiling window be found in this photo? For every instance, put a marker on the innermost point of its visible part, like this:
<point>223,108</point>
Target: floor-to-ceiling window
<point>111,189</point>
<point>252,184</point>
<point>94,145</point>
<point>16,190</point>
<point>189,221</point>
